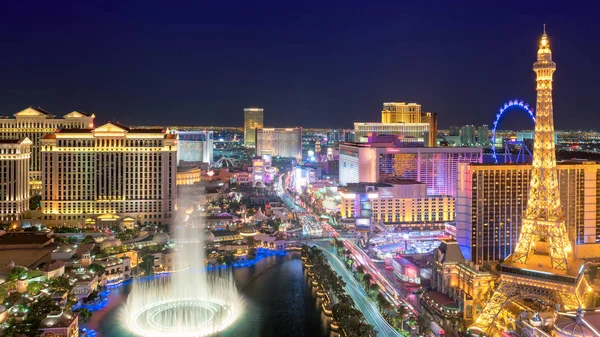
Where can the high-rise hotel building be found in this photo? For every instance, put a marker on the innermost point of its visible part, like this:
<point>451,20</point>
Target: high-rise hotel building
<point>377,162</point>
<point>402,204</point>
<point>194,146</point>
<point>253,119</point>
<point>35,123</point>
<point>400,112</point>
<point>279,142</point>
<point>491,199</point>
<point>15,157</point>
<point>108,173</point>
<point>411,134</point>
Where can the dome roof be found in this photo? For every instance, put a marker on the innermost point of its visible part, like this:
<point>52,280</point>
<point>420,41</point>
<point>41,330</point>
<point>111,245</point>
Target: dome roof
<point>110,242</point>
<point>569,326</point>
<point>248,231</point>
<point>161,238</point>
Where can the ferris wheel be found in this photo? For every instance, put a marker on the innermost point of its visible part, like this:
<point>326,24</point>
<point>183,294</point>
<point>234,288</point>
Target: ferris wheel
<point>510,104</point>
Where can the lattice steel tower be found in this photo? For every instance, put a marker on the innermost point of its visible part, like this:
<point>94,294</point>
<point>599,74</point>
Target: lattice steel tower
<point>542,271</point>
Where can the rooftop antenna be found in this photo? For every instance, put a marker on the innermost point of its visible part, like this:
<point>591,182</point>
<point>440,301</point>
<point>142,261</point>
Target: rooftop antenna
<point>544,29</point>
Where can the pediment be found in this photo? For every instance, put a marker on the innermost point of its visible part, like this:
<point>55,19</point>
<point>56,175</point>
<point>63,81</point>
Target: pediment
<point>109,127</point>
<point>31,112</point>
<point>75,114</point>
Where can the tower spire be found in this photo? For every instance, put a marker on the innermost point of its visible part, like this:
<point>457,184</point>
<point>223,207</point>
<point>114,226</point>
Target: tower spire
<point>543,264</point>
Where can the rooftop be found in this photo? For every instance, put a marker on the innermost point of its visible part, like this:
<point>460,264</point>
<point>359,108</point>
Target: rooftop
<point>58,319</point>
<point>23,238</point>
<point>449,252</point>
<point>223,233</point>
<point>10,141</point>
<point>52,266</point>
<point>441,299</point>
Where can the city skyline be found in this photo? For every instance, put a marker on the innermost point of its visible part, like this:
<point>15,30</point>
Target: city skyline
<point>306,66</point>
<point>136,224</point>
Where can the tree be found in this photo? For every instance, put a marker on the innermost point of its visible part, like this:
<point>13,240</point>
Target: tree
<point>147,265</point>
<point>35,202</point>
<point>360,269</point>
<point>61,240</point>
<point>422,323</point>
<point>84,314</point>
<point>401,313</point>
<point>88,239</point>
<point>373,290</point>
<point>34,287</point>
<point>38,310</point>
<point>61,283</point>
<point>97,268</point>
<point>382,302</point>
<point>12,328</point>
<point>17,273</point>
<point>367,278</point>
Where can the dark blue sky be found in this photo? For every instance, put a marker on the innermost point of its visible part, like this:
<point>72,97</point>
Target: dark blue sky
<point>321,63</point>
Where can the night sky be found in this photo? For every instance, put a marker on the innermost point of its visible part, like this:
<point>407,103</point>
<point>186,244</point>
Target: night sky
<point>311,64</point>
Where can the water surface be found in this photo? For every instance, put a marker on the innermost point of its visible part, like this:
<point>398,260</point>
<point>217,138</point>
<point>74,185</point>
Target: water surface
<point>279,303</point>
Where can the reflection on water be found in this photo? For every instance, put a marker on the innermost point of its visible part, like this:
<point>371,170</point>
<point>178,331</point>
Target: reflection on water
<point>278,303</point>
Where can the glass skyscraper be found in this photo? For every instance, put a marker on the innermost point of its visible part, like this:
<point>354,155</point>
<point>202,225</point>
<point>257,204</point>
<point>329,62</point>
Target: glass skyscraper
<point>253,119</point>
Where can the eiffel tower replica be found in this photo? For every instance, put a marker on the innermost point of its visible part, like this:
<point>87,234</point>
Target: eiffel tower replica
<point>542,268</point>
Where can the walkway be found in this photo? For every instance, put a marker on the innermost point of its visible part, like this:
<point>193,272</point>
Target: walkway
<point>355,290</point>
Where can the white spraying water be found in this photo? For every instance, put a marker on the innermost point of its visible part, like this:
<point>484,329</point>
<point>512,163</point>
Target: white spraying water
<point>190,303</point>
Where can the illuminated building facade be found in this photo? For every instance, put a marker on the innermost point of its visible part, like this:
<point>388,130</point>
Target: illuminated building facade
<point>260,173</point>
<point>15,157</point>
<point>403,204</point>
<point>400,112</point>
<point>195,146</point>
<point>279,142</point>
<point>431,118</point>
<point>375,162</point>
<point>253,119</point>
<point>34,124</point>
<point>108,172</point>
<point>190,176</point>
<point>492,199</point>
<point>407,132</point>
<point>303,176</point>
<point>543,265</point>
<point>463,281</point>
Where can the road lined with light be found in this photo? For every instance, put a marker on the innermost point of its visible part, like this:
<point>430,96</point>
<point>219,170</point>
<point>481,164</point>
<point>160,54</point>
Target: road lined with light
<point>357,293</point>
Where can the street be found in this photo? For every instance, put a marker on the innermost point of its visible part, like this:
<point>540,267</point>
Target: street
<point>355,290</point>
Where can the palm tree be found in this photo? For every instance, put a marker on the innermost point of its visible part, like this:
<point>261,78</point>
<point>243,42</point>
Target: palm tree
<point>347,254</point>
<point>367,280</point>
<point>401,313</point>
<point>381,301</point>
<point>422,323</point>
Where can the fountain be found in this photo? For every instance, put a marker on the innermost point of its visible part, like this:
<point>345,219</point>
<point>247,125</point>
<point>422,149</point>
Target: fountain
<point>190,303</point>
